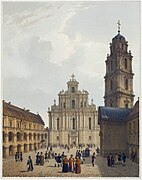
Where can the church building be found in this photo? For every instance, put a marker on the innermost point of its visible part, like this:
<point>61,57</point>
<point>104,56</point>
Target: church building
<point>115,116</point>
<point>73,121</point>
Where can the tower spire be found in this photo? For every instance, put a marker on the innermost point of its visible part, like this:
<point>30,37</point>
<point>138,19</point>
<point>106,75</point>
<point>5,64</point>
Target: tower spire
<point>118,26</point>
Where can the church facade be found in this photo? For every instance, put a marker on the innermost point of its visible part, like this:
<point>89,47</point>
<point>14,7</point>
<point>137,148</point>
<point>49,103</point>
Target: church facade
<point>73,121</point>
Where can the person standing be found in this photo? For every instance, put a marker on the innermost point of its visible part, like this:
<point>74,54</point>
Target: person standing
<point>123,159</point>
<point>93,159</point>
<point>46,156</point>
<point>41,159</point>
<point>16,157</point>
<point>71,163</point>
<point>65,164</point>
<point>77,166</point>
<point>37,159</point>
<point>30,164</point>
<point>21,157</point>
<point>59,160</point>
<point>109,160</point>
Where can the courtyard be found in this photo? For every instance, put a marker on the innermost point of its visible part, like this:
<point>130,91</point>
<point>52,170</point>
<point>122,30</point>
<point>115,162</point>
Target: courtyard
<point>19,169</point>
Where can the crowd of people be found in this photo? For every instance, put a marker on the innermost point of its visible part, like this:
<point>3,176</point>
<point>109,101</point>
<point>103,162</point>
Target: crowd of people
<point>116,159</point>
<point>18,157</point>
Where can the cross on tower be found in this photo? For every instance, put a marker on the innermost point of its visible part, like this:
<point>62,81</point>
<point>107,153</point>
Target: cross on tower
<point>118,26</point>
<point>72,76</point>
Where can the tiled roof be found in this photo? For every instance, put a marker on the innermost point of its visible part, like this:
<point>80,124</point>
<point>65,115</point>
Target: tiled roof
<point>19,113</point>
<point>113,114</point>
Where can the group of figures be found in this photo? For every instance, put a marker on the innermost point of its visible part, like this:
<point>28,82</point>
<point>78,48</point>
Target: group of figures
<point>116,159</point>
<point>18,157</point>
<point>40,159</point>
<point>71,164</point>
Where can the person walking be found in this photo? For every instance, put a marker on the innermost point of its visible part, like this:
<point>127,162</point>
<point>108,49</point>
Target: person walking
<point>65,167</point>
<point>109,160</point>
<point>59,160</point>
<point>37,159</point>
<point>77,166</point>
<point>30,164</point>
<point>41,159</point>
<point>93,159</point>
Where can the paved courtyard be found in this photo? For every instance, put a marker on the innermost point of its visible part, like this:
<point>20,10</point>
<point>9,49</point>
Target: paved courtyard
<point>19,169</point>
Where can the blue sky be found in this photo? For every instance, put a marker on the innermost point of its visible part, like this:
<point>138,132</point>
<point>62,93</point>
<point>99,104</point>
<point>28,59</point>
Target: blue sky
<point>44,43</point>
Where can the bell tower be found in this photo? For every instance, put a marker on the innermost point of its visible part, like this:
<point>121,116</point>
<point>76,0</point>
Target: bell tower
<point>119,74</point>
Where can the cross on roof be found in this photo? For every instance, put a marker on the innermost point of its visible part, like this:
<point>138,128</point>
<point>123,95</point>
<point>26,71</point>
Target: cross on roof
<point>72,76</point>
<point>118,26</point>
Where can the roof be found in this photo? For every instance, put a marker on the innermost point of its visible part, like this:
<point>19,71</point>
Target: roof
<point>19,113</point>
<point>119,37</point>
<point>113,114</point>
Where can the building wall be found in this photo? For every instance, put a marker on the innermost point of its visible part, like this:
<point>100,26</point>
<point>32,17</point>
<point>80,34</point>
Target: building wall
<point>113,137</point>
<point>21,135</point>
<point>133,134</point>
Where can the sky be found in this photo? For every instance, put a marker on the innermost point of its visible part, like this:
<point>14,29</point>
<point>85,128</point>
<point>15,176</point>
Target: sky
<point>44,43</point>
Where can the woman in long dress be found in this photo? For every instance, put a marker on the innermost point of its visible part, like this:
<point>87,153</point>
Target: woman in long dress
<point>41,159</point>
<point>71,164</point>
<point>65,164</point>
<point>78,166</point>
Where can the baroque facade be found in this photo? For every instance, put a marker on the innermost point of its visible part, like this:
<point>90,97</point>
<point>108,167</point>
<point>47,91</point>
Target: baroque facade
<point>73,121</point>
<point>23,131</point>
<point>119,117</point>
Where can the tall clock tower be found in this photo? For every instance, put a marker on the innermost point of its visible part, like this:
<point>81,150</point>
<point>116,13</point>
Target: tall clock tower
<point>119,74</point>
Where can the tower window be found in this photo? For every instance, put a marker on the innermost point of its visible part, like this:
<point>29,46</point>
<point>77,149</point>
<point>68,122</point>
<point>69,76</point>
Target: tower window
<point>57,123</point>
<point>111,65</point>
<point>126,105</point>
<point>64,104</point>
<point>110,84</point>
<point>126,65</point>
<point>73,103</point>
<point>81,104</point>
<point>73,123</point>
<point>73,90</point>
<point>89,123</point>
<point>126,84</point>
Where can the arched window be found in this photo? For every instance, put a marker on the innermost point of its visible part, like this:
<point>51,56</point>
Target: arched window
<point>89,123</point>
<point>126,105</point>
<point>81,104</point>
<point>111,84</point>
<point>73,103</point>
<point>111,65</point>
<point>73,123</point>
<point>126,65</point>
<point>126,84</point>
<point>57,123</point>
<point>73,90</point>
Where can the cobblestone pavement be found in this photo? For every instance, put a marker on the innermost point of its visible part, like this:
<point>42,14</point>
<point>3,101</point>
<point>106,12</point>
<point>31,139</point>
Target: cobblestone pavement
<point>19,169</point>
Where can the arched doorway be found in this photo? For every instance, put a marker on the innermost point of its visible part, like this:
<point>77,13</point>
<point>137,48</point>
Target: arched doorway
<point>25,147</point>
<point>4,137</point>
<point>10,136</point>
<point>11,150</point>
<point>18,134</point>
<point>4,152</point>
<point>30,147</point>
<point>25,136</point>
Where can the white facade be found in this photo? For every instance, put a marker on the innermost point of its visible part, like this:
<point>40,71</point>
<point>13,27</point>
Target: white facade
<point>73,121</point>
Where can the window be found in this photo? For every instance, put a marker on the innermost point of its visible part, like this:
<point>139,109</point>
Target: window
<point>81,104</point>
<point>73,123</point>
<point>89,123</point>
<point>126,63</point>
<point>84,103</point>
<point>111,84</point>
<point>134,125</point>
<point>110,104</point>
<point>64,104</point>
<point>73,90</point>
<point>111,65</point>
<point>73,103</point>
<point>126,105</point>
<point>10,123</point>
<point>57,138</point>
<point>57,123</point>
<point>126,84</point>
<point>130,127</point>
<point>89,137</point>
